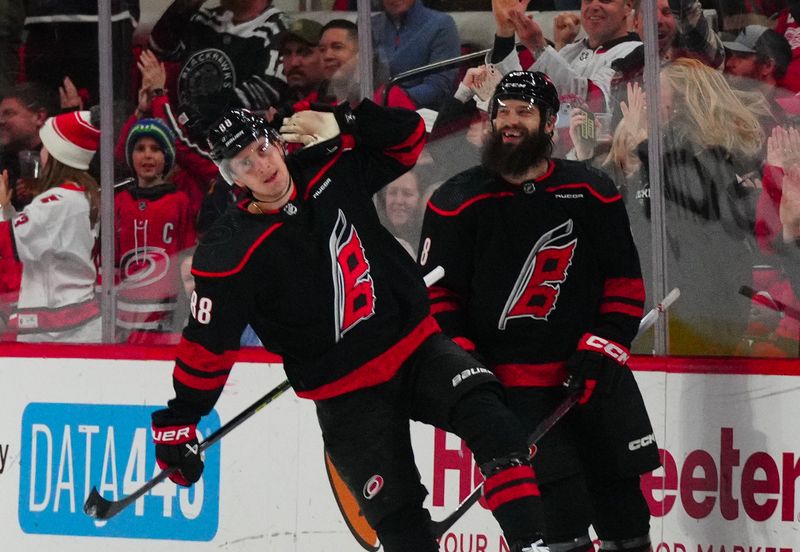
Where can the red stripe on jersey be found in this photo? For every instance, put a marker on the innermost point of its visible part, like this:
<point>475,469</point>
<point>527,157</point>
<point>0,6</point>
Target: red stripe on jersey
<point>507,476</point>
<point>322,171</point>
<point>621,308</point>
<point>443,306</point>
<point>550,168</point>
<point>466,204</point>
<point>630,288</point>
<point>415,142</point>
<point>378,370</point>
<point>437,292</point>
<point>244,260</point>
<point>73,186</point>
<point>548,374</point>
<point>464,343</point>
<point>591,190</point>
<point>512,493</point>
<point>42,319</point>
<point>594,94</point>
<point>348,141</point>
<point>201,359</point>
<point>196,382</point>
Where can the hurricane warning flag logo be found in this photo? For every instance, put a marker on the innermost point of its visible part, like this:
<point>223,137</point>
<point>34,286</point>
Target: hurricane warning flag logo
<point>538,285</point>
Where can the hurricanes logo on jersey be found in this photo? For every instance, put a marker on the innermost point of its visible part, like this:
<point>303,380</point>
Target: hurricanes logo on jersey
<point>143,266</point>
<point>536,290</point>
<point>354,289</point>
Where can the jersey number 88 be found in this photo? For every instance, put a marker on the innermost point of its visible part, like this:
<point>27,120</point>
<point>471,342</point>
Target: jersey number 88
<point>201,308</point>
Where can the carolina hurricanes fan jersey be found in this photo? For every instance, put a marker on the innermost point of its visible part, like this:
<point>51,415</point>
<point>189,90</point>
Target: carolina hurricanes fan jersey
<point>54,240</point>
<point>153,227</point>
<point>321,281</point>
<point>530,269</point>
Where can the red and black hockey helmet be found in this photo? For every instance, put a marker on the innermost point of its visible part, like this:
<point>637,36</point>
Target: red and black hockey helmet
<point>236,130</point>
<point>529,86</point>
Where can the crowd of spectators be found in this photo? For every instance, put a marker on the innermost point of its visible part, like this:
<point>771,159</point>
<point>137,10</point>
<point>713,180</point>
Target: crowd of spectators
<point>729,113</point>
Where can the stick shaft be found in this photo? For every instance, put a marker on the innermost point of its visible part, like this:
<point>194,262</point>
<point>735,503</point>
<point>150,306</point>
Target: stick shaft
<point>440,527</point>
<point>99,507</point>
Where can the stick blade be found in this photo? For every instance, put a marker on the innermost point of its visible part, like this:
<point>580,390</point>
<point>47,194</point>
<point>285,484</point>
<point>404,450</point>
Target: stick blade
<point>98,507</point>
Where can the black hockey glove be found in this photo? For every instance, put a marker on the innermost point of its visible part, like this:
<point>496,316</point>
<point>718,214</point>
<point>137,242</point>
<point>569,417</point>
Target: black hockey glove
<point>594,366</point>
<point>176,445</point>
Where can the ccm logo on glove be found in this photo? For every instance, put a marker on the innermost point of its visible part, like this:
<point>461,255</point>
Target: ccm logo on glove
<point>610,349</point>
<point>642,442</point>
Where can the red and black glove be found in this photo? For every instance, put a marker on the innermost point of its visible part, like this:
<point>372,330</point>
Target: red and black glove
<point>594,366</point>
<point>176,445</point>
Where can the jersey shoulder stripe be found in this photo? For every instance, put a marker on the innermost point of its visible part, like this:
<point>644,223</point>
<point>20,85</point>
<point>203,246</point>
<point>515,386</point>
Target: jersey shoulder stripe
<point>229,244</point>
<point>464,190</point>
<point>578,176</point>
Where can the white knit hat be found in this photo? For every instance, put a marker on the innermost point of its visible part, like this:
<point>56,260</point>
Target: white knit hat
<point>71,138</point>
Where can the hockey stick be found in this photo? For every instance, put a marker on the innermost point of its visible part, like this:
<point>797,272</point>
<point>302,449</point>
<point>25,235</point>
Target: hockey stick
<point>441,526</point>
<point>100,508</point>
<point>780,306</point>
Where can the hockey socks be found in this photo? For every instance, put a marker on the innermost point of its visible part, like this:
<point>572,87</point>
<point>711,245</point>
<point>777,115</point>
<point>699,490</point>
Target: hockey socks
<point>497,439</point>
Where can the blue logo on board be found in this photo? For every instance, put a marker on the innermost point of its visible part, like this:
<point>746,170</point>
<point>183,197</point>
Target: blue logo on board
<point>68,448</point>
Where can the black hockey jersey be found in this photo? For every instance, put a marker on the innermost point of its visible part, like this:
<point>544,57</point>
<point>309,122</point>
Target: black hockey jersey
<point>321,282</point>
<point>531,269</point>
<point>223,63</point>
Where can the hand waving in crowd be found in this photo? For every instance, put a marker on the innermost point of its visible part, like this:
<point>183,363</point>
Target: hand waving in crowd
<point>154,77</point>
<point>69,97</point>
<point>566,27</point>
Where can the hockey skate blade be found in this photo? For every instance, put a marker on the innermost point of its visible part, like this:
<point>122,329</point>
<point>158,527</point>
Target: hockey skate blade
<point>96,506</point>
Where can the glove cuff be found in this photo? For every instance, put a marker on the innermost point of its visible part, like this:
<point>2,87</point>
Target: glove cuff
<point>169,429</point>
<point>611,349</point>
<point>345,118</point>
<point>174,435</point>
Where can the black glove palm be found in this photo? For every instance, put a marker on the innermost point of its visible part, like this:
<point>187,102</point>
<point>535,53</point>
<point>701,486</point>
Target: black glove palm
<point>177,445</point>
<point>590,370</point>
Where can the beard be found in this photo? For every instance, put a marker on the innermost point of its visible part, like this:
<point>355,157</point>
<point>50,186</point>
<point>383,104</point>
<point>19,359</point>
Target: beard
<point>515,159</point>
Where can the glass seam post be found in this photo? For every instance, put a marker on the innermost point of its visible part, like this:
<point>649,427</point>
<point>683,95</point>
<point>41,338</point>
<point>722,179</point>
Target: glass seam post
<point>105,64</point>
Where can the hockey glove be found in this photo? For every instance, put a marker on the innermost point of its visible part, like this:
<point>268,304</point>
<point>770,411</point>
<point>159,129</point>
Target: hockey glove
<point>316,122</point>
<point>176,445</point>
<point>594,366</point>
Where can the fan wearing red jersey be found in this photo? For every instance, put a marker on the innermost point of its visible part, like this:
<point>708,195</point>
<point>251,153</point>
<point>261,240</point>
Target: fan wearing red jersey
<point>542,280</point>
<point>155,229</point>
<point>306,262</point>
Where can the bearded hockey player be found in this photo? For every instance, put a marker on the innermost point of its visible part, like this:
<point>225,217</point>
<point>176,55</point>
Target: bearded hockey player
<point>542,280</point>
<point>305,261</point>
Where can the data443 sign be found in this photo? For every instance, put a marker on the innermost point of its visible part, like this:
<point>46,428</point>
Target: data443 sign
<point>68,448</point>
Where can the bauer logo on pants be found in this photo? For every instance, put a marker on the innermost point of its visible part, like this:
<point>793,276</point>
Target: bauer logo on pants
<point>467,373</point>
<point>68,448</point>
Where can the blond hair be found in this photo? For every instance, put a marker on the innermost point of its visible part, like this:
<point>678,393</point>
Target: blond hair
<point>708,113</point>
